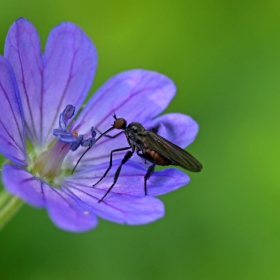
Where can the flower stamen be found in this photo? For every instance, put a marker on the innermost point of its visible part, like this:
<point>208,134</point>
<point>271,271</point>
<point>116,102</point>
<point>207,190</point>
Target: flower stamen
<point>49,163</point>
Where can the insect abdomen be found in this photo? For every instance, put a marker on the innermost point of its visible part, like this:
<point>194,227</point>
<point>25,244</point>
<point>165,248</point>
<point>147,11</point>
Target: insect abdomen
<point>157,158</point>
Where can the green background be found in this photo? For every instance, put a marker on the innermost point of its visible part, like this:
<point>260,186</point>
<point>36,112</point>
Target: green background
<point>224,57</point>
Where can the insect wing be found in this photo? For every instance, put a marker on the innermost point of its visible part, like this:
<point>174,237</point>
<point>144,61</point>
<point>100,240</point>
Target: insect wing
<point>174,153</point>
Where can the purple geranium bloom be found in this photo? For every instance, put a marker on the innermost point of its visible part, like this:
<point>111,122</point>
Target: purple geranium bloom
<point>41,94</point>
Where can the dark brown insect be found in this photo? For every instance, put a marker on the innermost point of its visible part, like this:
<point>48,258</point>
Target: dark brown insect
<point>149,146</point>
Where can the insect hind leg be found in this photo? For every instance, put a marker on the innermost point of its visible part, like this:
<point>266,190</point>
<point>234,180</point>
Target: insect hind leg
<point>147,176</point>
<point>149,171</point>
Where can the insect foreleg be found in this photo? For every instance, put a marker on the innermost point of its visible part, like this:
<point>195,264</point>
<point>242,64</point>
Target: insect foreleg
<point>114,136</point>
<point>108,136</point>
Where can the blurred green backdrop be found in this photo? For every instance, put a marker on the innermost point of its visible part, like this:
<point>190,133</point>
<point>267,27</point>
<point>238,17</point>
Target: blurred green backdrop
<point>224,57</point>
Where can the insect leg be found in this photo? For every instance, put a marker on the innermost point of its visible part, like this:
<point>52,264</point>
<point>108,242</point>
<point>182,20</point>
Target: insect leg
<point>80,159</point>
<point>103,134</point>
<point>149,171</point>
<point>114,136</point>
<point>127,156</point>
<point>109,136</point>
<point>110,164</point>
<point>147,176</point>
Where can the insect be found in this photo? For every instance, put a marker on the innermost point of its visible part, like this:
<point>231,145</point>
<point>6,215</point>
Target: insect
<point>148,145</point>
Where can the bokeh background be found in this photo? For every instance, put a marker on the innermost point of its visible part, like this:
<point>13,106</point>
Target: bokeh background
<point>224,57</point>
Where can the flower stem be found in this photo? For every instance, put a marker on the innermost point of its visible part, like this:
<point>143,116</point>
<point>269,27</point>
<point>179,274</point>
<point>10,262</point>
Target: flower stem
<point>9,205</point>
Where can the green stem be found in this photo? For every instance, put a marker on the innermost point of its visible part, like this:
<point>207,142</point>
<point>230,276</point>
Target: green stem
<point>9,205</point>
<point>4,197</point>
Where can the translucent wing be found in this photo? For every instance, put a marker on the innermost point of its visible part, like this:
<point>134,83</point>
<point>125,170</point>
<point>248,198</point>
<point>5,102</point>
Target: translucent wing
<point>174,153</point>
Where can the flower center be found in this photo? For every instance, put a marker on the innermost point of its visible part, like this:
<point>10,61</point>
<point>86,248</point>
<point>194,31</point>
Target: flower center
<point>49,163</point>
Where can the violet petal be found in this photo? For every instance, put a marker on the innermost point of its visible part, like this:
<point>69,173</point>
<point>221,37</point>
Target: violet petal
<point>131,179</point>
<point>167,180</point>
<point>47,84</point>
<point>135,95</point>
<point>12,138</point>
<point>67,212</point>
<point>64,210</point>
<point>177,128</point>
<point>123,209</point>
<point>23,184</point>
<point>22,49</point>
<point>70,62</point>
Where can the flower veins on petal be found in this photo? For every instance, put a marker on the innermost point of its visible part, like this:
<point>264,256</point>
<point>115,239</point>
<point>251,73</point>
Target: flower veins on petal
<point>44,132</point>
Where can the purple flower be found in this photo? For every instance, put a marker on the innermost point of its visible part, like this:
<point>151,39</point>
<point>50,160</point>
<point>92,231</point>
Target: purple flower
<point>39,95</point>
